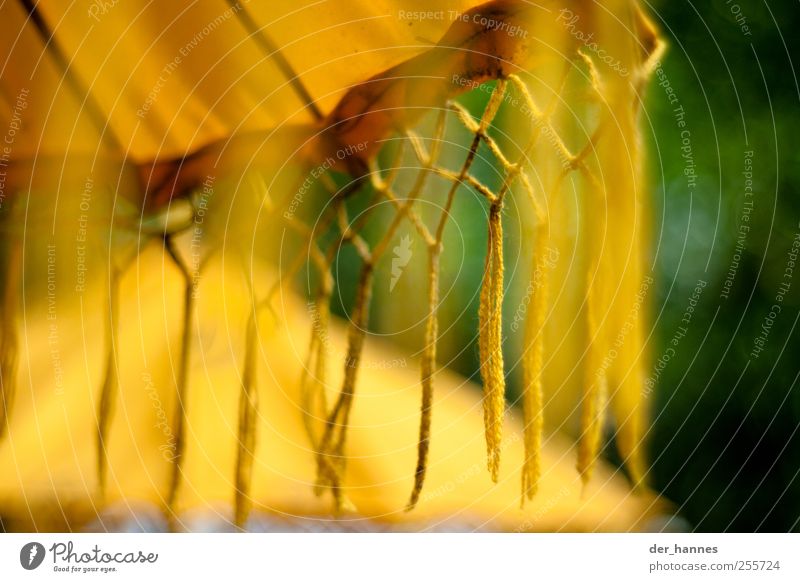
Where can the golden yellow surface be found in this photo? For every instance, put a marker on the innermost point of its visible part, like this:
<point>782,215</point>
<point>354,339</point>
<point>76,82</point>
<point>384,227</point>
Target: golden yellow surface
<point>210,79</point>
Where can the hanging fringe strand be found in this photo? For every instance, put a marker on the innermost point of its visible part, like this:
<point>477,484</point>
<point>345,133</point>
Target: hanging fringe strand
<point>595,387</point>
<point>490,318</point>
<point>110,385</point>
<point>533,358</point>
<point>181,382</point>
<point>248,416</point>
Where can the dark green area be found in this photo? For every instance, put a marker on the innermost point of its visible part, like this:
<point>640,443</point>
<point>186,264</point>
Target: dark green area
<point>725,444</point>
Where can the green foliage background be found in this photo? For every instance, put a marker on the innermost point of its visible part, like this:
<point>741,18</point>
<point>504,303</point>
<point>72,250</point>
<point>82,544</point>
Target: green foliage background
<point>725,445</point>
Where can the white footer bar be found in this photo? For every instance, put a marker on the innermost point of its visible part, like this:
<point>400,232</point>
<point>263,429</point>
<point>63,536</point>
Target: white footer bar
<point>408,557</point>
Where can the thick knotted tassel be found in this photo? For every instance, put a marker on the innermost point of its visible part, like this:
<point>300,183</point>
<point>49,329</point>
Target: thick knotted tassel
<point>490,342</point>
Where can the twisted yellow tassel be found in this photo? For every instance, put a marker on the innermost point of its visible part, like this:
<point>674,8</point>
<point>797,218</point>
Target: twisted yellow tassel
<point>490,342</point>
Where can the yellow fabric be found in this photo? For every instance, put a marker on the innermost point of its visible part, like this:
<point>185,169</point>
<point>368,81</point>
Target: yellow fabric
<point>221,82</point>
